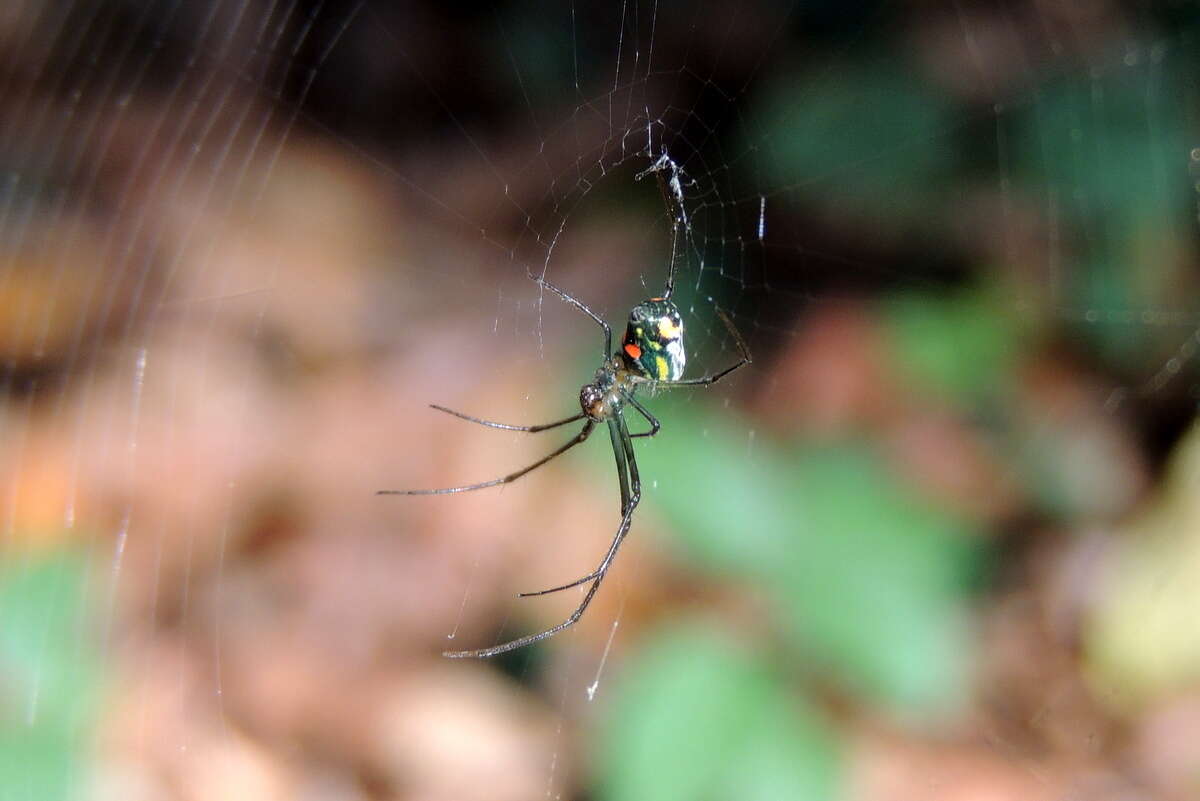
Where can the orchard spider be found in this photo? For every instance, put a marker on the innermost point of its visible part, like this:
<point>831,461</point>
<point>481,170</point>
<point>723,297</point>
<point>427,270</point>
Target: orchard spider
<point>652,354</point>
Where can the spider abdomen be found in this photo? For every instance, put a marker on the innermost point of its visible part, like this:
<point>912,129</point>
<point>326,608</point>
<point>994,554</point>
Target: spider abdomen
<point>653,343</point>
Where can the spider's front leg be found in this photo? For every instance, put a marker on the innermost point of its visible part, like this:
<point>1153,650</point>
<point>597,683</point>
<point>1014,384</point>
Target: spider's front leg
<point>583,307</point>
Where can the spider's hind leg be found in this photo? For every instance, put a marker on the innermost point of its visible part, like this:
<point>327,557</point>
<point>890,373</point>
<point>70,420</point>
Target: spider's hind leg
<point>561,587</point>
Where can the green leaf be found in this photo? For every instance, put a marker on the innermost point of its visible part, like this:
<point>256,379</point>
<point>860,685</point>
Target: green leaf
<point>865,580</point>
<point>1109,153</point>
<point>873,136</point>
<point>1113,143</point>
<point>695,718</point>
<point>48,695</point>
<point>961,345</point>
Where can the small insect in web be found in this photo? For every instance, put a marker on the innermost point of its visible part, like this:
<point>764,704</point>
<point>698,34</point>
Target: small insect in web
<point>651,354</point>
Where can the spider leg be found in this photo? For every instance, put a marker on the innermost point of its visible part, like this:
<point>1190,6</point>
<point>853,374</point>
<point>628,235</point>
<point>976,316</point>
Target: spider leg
<point>675,208</point>
<point>506,426</point>
<point>622,455</point>
<point>561,587</point>
<point>582,307</point>
<point>578,438</point>
<point>618,433</point>
<point>644,412</point>
<point>677,218</point>
<point>655,426</point>
<point>715,377</point>
<point>631,494</point>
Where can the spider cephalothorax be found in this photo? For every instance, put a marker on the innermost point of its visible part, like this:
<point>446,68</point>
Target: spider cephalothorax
<point>601,399</point>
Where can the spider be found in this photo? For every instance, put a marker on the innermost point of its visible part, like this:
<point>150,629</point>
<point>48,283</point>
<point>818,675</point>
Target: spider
<point>651,354</point>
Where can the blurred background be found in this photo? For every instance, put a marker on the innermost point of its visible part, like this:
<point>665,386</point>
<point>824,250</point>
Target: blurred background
<point>941,541</point>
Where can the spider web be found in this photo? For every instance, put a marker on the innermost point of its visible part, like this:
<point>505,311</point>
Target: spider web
<point>246,242</point>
